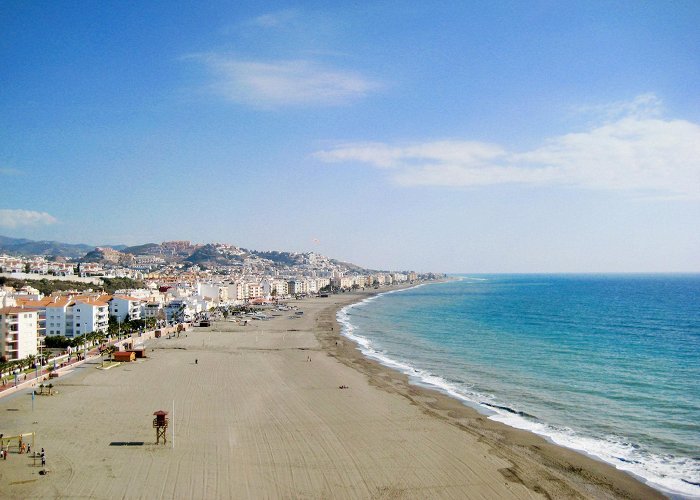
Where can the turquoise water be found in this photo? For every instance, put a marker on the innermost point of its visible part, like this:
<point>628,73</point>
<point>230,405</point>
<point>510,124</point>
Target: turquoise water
<point>606,364</point>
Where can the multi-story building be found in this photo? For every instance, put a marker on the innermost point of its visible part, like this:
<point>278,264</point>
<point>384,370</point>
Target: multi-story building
<point>180,310</point>
<point>276,287</point>
<point>215,291</point>
<point>322,283</point>
<point>236,291</point>
<point>123,307</point>
<point>253,290</point>
<point>297,287</point>
<point>360,281</point>
<point>345,282</point>
<point>74,316</point>
<point>89,315</point>
<point>18,333</point>
<point>153,310</point>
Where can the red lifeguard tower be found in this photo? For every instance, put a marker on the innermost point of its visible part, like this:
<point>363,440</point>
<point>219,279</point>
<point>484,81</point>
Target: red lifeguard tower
<point>161,425</point>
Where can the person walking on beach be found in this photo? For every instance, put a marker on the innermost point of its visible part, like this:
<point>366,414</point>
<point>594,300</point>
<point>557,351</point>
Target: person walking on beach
<point>43,458</point>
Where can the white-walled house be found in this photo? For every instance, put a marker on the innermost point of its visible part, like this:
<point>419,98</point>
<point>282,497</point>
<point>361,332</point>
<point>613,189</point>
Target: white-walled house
<point>153,310</point>
<point>124,307</point>
<point>183,309</point>
<point>218,292</point>
<point>90,315</point>
<point>71,317</point>
<point>18,332</point>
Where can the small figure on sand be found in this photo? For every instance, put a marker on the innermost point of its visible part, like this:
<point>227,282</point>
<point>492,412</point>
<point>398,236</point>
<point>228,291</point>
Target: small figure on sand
<point>196,361</point>
<point>43,458</point>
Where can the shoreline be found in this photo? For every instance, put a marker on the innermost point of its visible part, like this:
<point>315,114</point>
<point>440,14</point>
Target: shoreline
<point>285,408</point>
<point>578,465</point>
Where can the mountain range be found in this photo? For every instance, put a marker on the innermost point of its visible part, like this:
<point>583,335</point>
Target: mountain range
<point>208,255</point>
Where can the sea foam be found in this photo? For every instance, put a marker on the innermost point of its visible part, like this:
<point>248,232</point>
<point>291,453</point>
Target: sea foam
<point>677,476</point>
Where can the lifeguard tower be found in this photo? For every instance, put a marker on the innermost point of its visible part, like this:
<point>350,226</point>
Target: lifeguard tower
<point>161,425</point>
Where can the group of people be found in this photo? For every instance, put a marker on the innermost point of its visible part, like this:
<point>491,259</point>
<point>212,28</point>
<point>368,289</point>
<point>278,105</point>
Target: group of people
<point>23,448</point>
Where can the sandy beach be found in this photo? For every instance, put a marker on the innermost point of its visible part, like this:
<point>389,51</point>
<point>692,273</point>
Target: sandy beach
<point>259,413</point>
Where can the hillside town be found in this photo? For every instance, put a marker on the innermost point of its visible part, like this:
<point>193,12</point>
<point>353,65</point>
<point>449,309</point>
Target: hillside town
<point>174,282</point>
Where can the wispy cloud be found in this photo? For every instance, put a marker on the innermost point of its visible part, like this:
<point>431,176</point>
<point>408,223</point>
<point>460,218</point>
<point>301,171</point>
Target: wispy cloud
<point>636,152</point>
<point>281,83</point>
<point>16,217</point>
<point>275,19</point>
<point>9,171</point>
<point>643,106</point>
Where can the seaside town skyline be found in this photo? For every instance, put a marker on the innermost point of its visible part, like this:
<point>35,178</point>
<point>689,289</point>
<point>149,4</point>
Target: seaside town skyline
<point>175,281</point>
<point>510,137</point>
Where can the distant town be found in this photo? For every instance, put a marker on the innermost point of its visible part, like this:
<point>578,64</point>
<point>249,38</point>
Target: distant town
<point>66,301</point>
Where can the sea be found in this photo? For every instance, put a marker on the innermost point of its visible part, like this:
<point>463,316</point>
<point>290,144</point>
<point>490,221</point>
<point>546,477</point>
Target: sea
<point>605,364</point>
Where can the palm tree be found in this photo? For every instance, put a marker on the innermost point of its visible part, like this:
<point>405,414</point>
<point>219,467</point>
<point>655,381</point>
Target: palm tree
<point>109,350</point>
<point>29,360</point>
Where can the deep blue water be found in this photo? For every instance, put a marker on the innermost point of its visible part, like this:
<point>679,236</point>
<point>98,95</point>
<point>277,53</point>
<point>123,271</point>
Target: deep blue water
<point>606,364</point>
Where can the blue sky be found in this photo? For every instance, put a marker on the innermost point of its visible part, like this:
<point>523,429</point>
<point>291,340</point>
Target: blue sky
<point>445,136</point>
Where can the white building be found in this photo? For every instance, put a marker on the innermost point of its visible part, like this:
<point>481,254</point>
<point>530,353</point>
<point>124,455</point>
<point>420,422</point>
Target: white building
<point>322,283</point>
<point>183,309</point>
<point>153,310</point>
<point>297,287</point>
<point>236,291</point>
<point>345,282</point>
<point>276,287</point>
<point>124,307</point>
<point>89,315</point>
<point>18,332</point>
<point>217,291</point>
<point>11,264</point>
<point>71,317</point>
<point>253,291</point>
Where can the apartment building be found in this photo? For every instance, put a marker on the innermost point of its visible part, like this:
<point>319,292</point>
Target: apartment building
<point>153,310</point>
<point>74,316</point>
<point>297,287</point>
<point>216,291</point>
<point>344,282</point>
<point>279,286</point>
<point>123,307</point>
<point>18,332</point>
<point>253,290</point>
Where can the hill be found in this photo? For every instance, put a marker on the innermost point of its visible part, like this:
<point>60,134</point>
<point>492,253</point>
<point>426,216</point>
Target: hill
<point>210,256</point>
<point>24,247</point>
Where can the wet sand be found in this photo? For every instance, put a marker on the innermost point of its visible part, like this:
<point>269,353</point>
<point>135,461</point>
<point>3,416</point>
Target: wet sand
<point>254,418</point>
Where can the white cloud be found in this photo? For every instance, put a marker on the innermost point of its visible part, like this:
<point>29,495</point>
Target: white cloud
<point>642,106</point>
<point>16,217</point>
<point>284,83</point>
<point>650,156</point>
<point>275,19</point>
